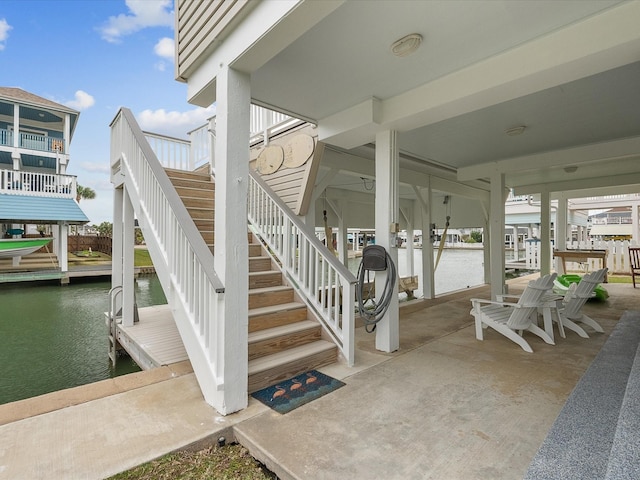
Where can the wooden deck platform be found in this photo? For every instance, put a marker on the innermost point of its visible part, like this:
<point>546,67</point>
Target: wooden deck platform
<point>154,341</point>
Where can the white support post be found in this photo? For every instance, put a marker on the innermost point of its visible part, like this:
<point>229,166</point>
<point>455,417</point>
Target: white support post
<point>343,251</point>
<point>408,215</point>
<point>516,244</point>
<point>496,229</point>
<point>16,126</point>
<point>128,281</point>
<point>15,156</point>
<point>428,279</point>
<point>561,228</point>
<point>63,244</point>
<point>635,227</point>
<point>386,203</point>
<point>545,233</point>
<point>62,159</point>
<point>212,146</point>
<point>231,260</point>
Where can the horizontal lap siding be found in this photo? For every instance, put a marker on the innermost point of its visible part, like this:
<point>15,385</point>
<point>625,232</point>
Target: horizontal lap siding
<point>287,184</point>
<point>199,23</point>
<point>295,185</point>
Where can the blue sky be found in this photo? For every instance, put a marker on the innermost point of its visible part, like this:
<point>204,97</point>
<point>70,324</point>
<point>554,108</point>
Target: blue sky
<point>96,56</point>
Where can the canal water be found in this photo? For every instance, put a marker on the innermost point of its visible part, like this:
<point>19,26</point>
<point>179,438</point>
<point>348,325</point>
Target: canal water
<point>55,337</point>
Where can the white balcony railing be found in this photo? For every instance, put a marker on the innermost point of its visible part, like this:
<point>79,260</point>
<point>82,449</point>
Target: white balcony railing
<point>6,137</point>
<point>326,285</point>
<point>18,182</point>
<point>33,141</point>
<point>172,152</point>
<point>200,148</point>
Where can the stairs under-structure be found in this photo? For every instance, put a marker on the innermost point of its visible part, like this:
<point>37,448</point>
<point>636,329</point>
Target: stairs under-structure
<point>284,339</point>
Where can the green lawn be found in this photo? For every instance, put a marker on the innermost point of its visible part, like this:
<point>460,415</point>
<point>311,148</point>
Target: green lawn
<point>142,258</point>
<point>620,279</point>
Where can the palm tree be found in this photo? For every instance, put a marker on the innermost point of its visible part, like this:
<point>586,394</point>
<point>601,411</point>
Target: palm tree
<point>84,192</point>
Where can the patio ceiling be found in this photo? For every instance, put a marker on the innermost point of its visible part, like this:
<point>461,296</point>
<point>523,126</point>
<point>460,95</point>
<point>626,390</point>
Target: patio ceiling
<point>568,71</point>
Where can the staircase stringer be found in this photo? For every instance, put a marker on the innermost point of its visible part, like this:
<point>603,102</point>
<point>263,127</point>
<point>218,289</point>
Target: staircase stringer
<point>183,262</point>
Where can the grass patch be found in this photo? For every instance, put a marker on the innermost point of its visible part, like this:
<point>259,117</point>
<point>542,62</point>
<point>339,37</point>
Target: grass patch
<point>620,279</point>
<point>142,258</point>
<point>214,463</point>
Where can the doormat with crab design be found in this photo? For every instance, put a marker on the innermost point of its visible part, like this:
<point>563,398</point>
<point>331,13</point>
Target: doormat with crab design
<point>294,392</point>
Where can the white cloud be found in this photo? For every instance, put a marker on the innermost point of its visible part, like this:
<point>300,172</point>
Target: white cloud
<point>165,48</point>
<point>175,124</point>
<point>82,101</point>
<point>4,32</point>
<point>142,14</point>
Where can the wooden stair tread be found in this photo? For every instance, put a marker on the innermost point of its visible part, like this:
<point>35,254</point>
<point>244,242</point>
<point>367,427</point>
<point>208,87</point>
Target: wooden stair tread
<point>274,332</point>
<point>264,272</point>
<point>278,288</point>
<point>283,307</point>
<point>175,173</point>
<point>282,339</point>
<point>291,355</point>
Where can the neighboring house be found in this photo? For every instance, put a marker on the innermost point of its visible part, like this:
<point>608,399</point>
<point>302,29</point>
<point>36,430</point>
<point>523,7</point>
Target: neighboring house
<point>35,134</point>
<point>446,105</point>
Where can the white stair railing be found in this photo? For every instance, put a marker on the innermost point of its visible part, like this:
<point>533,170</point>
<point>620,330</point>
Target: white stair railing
<point>182,260</point>
<point>327,286</point>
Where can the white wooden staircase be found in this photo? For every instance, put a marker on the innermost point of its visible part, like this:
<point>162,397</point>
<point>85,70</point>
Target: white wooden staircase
<point>284,339</point>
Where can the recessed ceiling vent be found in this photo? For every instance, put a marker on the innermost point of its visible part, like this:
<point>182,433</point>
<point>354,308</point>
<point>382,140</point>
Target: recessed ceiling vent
<point>406,45</point>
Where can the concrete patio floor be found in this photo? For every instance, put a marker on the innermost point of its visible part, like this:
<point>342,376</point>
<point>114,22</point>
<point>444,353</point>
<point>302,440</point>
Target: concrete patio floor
<point>445,406</point>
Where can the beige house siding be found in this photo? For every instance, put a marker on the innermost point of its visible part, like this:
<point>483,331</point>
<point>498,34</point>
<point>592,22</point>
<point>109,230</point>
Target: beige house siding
<point>198,24</point>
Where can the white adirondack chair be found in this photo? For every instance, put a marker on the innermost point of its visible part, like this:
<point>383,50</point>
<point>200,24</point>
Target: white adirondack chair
<point>570,310</point>
<point>512,319</point>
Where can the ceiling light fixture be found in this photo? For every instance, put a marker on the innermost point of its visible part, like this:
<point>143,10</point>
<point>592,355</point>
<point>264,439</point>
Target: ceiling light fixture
<point>514,131</point>
<point>571,169</point>
<point>406,45</point>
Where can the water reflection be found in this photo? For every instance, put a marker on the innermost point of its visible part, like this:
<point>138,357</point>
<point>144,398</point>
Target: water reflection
<point>55,337</point>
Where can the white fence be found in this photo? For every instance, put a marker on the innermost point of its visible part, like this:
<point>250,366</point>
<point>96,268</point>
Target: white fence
<point>327,286</point>
<point>617,255</point>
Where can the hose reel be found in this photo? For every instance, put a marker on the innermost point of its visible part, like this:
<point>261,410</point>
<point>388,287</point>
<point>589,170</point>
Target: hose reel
<point>375,259</point>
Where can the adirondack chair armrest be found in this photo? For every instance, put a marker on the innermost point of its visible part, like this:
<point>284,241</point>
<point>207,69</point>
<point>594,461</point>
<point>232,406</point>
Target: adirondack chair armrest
<point>475,301</point>
<point>506,295</point>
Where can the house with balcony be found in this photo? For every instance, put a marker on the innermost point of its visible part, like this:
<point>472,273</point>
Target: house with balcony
<point>407,104</point>
<point>35,189</point>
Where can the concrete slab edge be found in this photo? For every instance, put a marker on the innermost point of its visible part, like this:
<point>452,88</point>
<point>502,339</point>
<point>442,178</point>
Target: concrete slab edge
<point>49,402</point>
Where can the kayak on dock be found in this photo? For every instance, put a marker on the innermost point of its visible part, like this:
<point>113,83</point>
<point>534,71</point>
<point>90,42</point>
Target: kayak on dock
<point>562,283</point>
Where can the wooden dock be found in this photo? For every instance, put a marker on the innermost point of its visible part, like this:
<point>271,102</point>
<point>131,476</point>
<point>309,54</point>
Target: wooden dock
<point>154,341</point>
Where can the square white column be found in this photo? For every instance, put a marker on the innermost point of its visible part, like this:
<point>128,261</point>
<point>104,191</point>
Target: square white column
<point>496,229</point>
<point>231,259</point>
<point>386,203</point>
